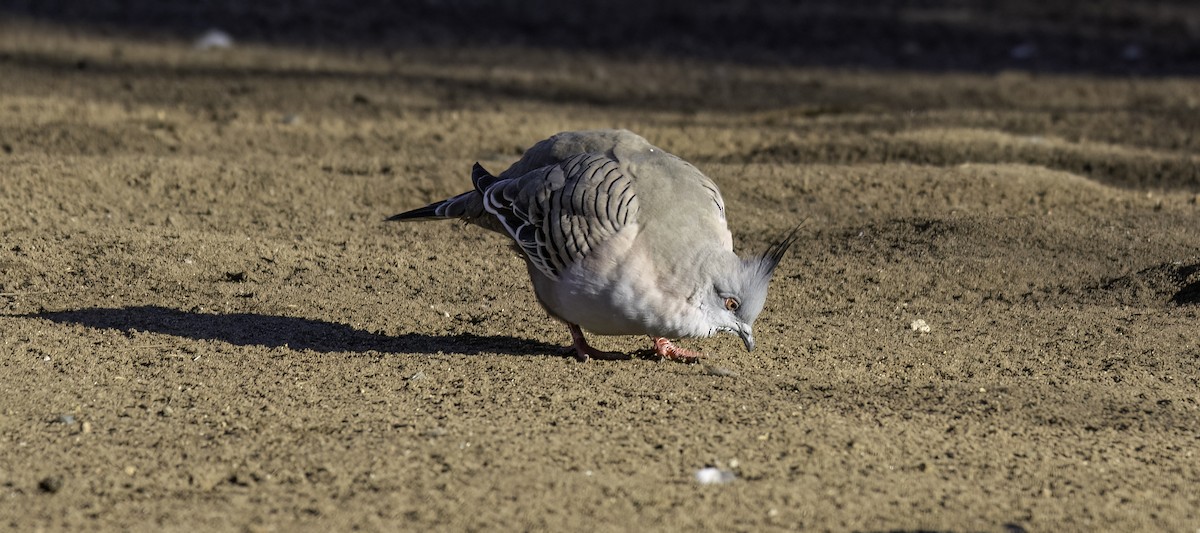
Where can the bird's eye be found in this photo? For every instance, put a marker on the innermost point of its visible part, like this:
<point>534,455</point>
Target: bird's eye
<point>731,304</point>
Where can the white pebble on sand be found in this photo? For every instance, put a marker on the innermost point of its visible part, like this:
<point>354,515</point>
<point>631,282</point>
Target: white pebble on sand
<point>213,38</point>
<point>713,476</point>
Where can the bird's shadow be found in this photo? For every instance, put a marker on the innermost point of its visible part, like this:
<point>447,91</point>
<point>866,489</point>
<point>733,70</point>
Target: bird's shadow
<point>249,329</point>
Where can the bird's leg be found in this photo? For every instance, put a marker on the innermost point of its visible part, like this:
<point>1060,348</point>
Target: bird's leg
<point>666,350</point>
<point>583,351</point>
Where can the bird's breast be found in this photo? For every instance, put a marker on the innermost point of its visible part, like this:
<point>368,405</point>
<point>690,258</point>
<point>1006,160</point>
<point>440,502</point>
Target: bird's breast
<point>617,290</point>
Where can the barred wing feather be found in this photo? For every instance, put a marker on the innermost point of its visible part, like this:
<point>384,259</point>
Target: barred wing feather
<point>558,213</point>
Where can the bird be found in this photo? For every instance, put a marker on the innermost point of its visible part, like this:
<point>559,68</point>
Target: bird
<point>620,238</point>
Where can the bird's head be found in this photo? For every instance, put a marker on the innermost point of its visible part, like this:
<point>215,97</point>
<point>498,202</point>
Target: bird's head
<point>739,294</point>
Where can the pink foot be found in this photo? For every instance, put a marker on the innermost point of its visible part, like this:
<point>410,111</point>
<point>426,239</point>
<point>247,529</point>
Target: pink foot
<point>583,351</point>
<point>664,349</point>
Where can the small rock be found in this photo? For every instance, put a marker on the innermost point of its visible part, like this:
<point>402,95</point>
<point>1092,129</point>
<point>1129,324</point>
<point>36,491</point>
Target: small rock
<point>714,476</point>
<point>919,325</point>
<point>213,38</point>
<point>420,375</point>
<point>67,419</point>
<point>86,427</point>
<point>51,484</point>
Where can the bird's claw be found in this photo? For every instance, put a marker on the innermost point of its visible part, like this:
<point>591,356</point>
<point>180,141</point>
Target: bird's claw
<point>583,351</point>
<point>666,350</point>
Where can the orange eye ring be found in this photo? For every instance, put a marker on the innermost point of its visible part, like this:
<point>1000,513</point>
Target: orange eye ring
<point>732,304</point>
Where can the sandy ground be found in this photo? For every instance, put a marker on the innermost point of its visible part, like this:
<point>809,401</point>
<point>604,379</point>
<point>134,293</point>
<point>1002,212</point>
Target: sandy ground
<point>207,326</point>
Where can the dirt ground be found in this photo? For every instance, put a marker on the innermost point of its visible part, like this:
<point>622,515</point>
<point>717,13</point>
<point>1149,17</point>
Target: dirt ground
<point>206,324</point>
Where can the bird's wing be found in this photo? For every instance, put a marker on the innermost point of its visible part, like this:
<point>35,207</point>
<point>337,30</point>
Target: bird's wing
<point>560,212</point>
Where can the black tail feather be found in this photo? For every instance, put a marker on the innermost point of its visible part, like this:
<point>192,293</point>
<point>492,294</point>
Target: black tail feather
<point>429,211</point>
<point>467,205</point>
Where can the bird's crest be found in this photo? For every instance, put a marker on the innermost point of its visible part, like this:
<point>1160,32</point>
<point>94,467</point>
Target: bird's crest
<point>770,259</point>
<point>755,274</point>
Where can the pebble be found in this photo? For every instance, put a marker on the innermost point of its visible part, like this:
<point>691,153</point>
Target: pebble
<point>51,484</point>
<point>920,325</point>
<point>213,39</point>
<point>714,476</point>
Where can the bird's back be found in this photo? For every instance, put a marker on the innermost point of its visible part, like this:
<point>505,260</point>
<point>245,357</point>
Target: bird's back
<point>670,191</point>
<point>573,191</point>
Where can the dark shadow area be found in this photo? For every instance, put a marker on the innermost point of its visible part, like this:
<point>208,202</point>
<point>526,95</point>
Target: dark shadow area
<point>1177,281</point>
<point>458,89</point>
<point>1152,37</point>
<point>247,329</point>
<point>1188,295</point>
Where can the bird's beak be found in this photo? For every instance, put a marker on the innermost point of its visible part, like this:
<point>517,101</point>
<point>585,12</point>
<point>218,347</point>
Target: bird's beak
<point>747,337</point>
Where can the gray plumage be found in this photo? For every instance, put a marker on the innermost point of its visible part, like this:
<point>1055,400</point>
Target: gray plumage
<point>620,238</point>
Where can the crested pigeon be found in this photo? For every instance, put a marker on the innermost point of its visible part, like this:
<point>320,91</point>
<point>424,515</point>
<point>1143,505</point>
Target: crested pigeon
<point>620,238</point>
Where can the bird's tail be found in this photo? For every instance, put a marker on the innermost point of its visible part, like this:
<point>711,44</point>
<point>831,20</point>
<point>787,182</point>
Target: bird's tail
<point>468,205</point>
<point>456,207</point>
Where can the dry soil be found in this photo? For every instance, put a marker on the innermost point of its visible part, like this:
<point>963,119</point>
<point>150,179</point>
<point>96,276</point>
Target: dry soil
<point>205,323</point>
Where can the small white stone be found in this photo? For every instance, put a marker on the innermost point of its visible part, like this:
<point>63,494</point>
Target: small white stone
<point>213,38</point>
<point>713,476</point>
<point>919,325</point>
